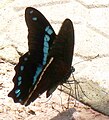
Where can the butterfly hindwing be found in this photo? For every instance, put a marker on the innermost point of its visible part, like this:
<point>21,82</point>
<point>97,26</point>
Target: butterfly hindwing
<point>58,68</point>
<point>31,64</point>
<point>62,50</point>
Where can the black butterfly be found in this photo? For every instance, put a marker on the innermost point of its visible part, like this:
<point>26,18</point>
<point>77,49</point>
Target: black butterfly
<point>48,61</point>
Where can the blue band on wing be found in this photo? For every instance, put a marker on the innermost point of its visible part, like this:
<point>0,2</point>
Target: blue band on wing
<point>48,31</point>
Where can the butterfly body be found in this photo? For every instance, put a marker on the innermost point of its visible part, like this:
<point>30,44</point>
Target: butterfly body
<point>48,61</point>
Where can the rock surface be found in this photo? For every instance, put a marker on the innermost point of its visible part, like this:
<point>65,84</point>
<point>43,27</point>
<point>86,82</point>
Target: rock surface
<point>91,58</point>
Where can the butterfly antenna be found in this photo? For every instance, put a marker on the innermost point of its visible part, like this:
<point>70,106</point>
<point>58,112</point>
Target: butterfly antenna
<point>77,85</point>
<point>87,59</point>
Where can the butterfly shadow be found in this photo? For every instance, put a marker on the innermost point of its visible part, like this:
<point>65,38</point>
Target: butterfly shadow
<point>65,115</point>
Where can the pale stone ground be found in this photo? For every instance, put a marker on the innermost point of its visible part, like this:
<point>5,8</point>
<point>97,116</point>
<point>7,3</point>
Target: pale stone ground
<point>91,25</point>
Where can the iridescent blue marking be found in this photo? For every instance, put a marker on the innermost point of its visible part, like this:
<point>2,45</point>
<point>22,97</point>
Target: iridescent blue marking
<point>31,11</point>
<point>46,50</point>
<point>25,59</point>
<point>34,18</point>
<point>46,44</point>
<point>19,78</point>
<point>22,68</point>
<point>48,30</point>
<point>46,38</point>
<point>17,92</point>
<point>38,71</point>
<point>19,83</point>
<point>45,59</point>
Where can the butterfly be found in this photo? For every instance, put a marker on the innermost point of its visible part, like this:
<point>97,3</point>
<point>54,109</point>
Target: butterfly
<point>47,63</point>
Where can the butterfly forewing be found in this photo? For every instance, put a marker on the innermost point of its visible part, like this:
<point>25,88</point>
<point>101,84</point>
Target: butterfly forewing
<point>58,68</point>
<point>38,30</point>
<point>31,64</point>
